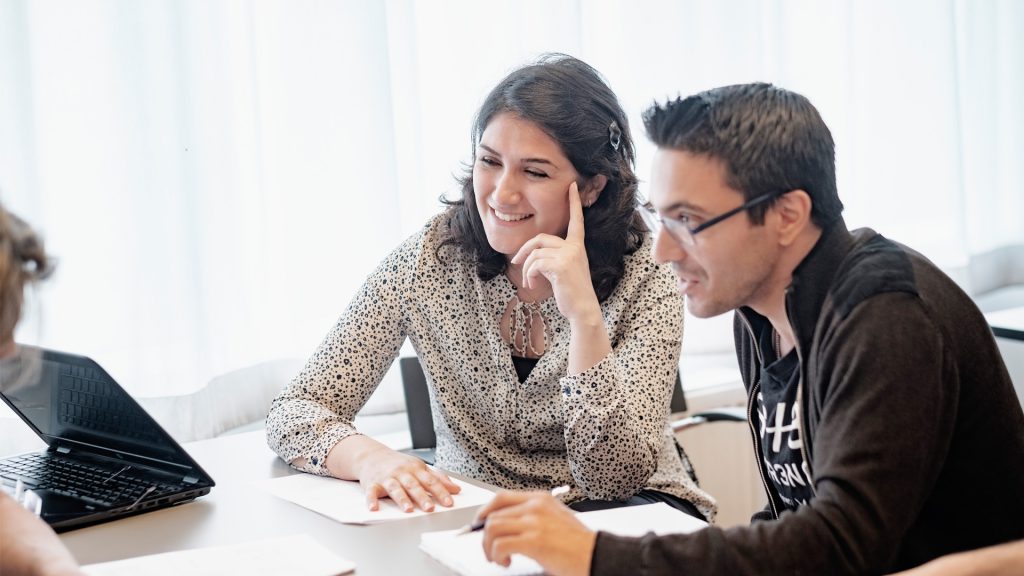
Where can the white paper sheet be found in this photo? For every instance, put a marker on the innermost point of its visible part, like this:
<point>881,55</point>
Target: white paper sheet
<point>299,554</point>
<point>464,554</point>
<point>345,501</point>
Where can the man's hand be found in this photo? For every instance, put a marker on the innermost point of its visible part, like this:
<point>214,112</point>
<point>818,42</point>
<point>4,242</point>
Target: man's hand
<point>536,525</point>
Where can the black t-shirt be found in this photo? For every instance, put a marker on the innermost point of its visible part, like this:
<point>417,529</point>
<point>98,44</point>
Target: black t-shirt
<point>524,366</point>
<point>778,423</point>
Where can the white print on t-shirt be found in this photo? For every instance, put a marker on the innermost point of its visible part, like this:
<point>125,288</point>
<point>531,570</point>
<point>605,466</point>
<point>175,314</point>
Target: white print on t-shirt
<point>780,428</point>
<point>789,474</point>
<point>782,452</point>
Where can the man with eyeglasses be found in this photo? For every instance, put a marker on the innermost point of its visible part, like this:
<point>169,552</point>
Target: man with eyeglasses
<point>884,422</point>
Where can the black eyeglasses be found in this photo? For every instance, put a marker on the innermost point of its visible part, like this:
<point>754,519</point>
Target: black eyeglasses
<point>686,235</point>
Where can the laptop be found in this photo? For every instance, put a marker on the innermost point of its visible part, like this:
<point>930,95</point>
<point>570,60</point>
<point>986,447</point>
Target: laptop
<point>106,457</point>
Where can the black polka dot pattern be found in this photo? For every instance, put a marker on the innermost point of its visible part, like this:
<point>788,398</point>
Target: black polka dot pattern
<point>603,432</point>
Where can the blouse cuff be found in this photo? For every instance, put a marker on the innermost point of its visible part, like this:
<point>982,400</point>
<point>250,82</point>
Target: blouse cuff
<point>316,456</point>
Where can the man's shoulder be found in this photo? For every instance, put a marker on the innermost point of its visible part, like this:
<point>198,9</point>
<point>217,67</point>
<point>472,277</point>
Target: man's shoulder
<point>875,265</point>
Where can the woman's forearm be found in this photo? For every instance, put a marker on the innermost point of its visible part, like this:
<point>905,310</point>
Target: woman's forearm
<point>588,343</point>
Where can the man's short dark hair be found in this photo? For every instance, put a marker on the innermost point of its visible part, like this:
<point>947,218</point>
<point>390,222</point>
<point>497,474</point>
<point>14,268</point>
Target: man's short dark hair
<point>770,140</point>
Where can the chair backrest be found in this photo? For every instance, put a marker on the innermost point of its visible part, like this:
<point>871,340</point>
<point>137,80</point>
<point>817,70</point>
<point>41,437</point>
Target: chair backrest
<point>678,396</point>
<point>421,420</point>
<point>417,404</point>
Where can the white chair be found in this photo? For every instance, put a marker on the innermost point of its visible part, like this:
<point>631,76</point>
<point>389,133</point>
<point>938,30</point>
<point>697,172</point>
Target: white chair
<point>238,401</point>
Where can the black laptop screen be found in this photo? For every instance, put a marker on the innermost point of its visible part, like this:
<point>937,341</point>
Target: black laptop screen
<point>72,399</point>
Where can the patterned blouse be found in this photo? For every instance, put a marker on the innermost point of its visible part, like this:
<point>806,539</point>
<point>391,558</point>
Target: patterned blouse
<point>603,432</point>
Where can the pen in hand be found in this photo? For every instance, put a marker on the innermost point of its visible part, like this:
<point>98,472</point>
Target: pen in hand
<point>479,524</point>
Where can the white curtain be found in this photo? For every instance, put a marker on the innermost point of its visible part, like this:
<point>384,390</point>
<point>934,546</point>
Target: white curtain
<point>217,178</point>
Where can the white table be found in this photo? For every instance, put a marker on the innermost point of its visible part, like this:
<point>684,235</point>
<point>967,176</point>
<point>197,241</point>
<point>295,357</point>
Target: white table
<point>237,511</point>
<point>1007,323</point>
<point>1008,326</point>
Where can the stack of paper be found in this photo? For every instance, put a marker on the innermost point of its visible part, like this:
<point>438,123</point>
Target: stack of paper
<point>299,554</point>
<point>465,555</point>
<point>345,501</point>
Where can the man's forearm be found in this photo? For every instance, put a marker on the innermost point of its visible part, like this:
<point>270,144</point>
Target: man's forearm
<point>991,561</point>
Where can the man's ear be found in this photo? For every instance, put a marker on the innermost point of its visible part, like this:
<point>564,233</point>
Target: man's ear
<point>793,211</point>
<point>592,189</point>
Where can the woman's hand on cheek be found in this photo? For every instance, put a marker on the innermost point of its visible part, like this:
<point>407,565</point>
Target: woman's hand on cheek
<point>564,264</point>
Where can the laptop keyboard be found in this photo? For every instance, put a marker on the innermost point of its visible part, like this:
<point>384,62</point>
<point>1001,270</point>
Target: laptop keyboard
<point>97,484</point>
<point>89,402</point>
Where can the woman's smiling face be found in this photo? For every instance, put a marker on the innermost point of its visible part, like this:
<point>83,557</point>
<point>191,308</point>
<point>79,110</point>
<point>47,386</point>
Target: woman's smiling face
<point>521,182</point>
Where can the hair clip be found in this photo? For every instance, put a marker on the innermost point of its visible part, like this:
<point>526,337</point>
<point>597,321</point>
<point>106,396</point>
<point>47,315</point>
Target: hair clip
<point>614,135</point>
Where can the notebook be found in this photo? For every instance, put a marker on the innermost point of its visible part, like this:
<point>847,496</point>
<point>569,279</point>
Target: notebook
<point>106,457</point>
<point>295,554</point>
<point>464,553</point>
<point>345,500</point>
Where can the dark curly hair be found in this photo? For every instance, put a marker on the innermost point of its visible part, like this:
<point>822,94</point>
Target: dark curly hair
<point>571,103</point>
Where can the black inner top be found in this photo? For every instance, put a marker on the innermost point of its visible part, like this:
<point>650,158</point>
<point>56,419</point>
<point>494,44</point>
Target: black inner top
<point>523,367</point>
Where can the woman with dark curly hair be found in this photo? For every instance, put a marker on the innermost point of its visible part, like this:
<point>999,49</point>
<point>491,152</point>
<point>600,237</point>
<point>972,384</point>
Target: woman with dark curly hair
<point>548,337</point>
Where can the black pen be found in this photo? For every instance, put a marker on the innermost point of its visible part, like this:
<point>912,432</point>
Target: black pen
<point>479,524</point>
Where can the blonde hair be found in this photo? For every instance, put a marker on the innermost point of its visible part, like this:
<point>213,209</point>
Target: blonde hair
<point>22,261</point>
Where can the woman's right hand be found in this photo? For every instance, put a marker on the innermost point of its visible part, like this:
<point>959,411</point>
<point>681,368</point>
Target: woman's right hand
<point>385,473</point>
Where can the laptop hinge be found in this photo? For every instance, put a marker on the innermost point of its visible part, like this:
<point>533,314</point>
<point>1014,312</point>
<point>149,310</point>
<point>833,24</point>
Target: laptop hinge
<point>190,480</point>
<point>63,450</point>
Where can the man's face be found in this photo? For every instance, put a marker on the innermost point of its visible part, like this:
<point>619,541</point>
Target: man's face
<point>730,263</point>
